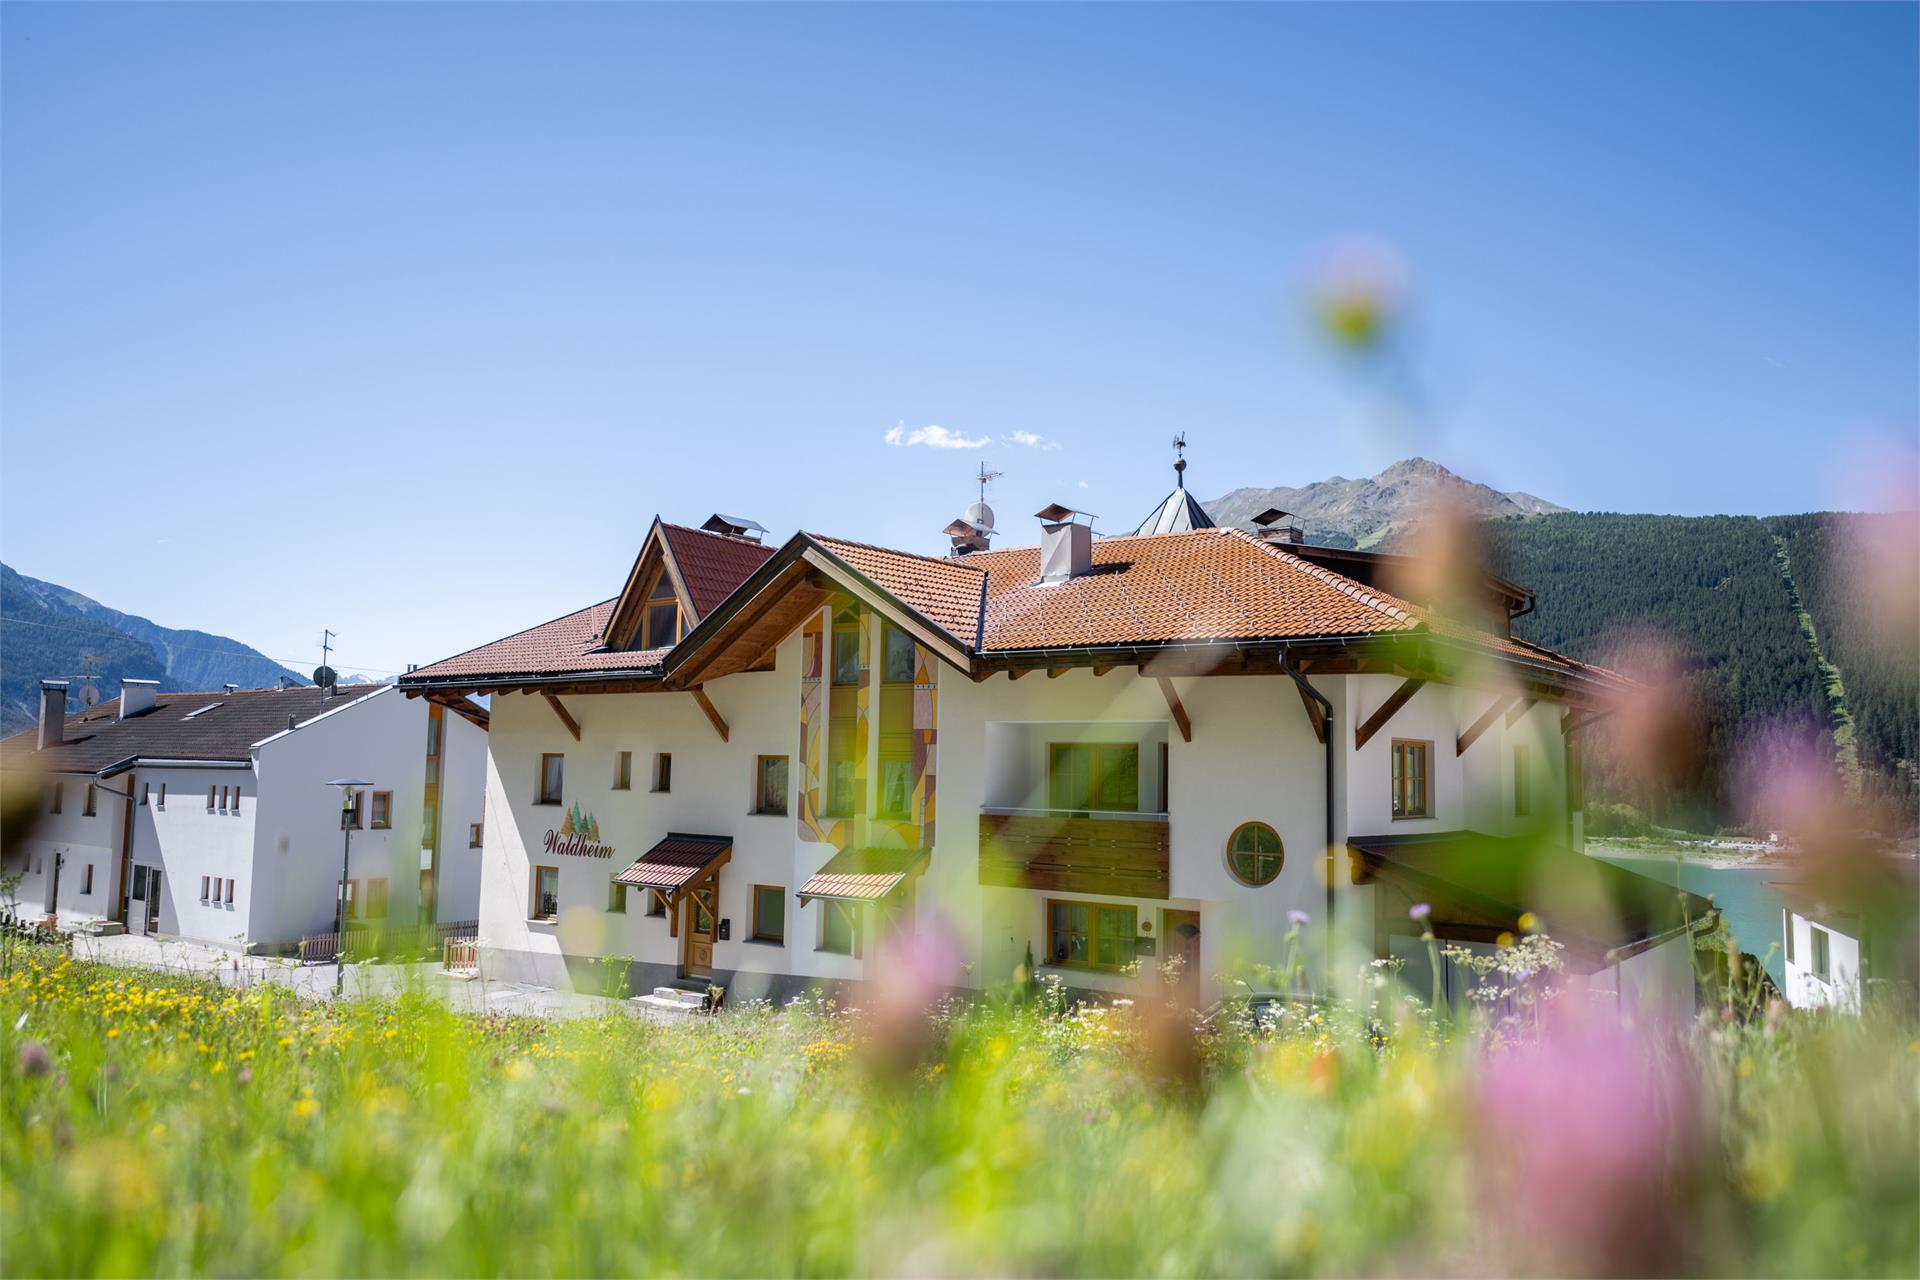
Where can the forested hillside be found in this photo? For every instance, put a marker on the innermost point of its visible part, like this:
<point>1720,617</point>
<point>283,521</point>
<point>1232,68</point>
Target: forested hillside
<point>1713,588</point>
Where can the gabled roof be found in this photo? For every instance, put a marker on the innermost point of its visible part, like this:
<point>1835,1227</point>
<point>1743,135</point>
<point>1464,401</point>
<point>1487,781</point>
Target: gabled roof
<point>703,566</point>
<point>1179,513</point>
<point>220,726</point>
<point>573,642</point>
<point>947,593</point>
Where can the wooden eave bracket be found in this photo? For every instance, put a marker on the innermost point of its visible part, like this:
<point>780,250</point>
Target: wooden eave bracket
<point>1378,720</point>
<point>1485,722</point>
<point>1525,705</point>
<point>559,709</point>
<point>1173,704</point>
<point>713,712</point>
<point>1316,717</point>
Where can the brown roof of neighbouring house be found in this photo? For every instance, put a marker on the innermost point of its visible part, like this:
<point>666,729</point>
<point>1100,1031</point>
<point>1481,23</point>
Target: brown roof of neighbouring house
<point>225,728</point>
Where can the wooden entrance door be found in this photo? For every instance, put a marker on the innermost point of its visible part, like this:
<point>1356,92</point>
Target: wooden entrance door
<point>701,907</point>
<point>1181,932</point>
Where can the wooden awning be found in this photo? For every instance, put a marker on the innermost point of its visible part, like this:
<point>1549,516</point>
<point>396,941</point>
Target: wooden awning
<point>678,863</point>
<point>864,875</point>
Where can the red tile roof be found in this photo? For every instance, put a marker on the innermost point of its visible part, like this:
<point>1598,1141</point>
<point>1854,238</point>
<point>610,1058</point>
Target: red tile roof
<point>712,564</point>
<point>569,643</point>
<point>945,592</point>
<point>674,861</point>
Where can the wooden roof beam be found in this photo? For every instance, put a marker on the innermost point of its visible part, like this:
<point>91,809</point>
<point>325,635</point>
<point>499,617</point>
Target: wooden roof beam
<point>1316,717</point>
<point>1485,722</point>
<point>559,709</point>
<point>1525,705</point>
<point>1386,711</point>
<point>1173,704</point>
<point>713,712</point>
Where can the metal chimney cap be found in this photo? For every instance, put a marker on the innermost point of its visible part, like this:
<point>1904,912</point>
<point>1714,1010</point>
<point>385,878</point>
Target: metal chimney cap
<point>1054,513</point>
<point>961,529</point>
<point>1270,516</point>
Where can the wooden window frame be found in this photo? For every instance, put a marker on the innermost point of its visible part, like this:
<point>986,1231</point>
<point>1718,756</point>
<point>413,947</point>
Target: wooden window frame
<point>663,773</point>
<point>211,790</point>
<point>374,819</point>
<point>229,891</point>
<point>657,598</point>
<point>1399,783</point>
<point>206,884</point>
<point>146,794</point>
<point>235,810</point>
<point>848,911</point>
<point>1279,857</point>
<point>540,779</point>
<point>533,899</point>
<point>1098,770</point>
<point>760,806</point>
<point>759,934</point>
<point>887,633</point>
<point>1094,935</point>
<point>623,771</point>
<point>476,834</point>
<point>382,901</point>
<point>839,628</point>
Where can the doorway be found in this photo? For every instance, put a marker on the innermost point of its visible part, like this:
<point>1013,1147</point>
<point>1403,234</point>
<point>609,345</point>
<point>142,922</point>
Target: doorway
<point>697,961</point>
<point>143,912</point>
<point>1181,929</point>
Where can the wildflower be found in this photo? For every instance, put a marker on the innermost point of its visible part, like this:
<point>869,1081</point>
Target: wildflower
<point>1529,922</point>
<point>1419,911</point>
<point>305,1107</point>
<point>1298,916</point>
<point>113,1033</point>
<point>34,1059</point>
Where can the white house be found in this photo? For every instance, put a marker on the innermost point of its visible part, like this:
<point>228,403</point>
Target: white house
<point>209,815</point>
<point>1102,753</point>
<point>1848,932</point>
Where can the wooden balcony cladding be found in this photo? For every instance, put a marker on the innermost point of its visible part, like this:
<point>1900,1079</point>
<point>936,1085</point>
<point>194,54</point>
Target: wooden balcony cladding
<point>1119,857</point>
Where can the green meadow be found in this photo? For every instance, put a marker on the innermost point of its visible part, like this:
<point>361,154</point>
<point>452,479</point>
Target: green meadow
<point>157,1125</point>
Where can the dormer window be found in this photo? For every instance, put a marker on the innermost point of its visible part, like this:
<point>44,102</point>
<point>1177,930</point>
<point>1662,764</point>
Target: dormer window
<point>661,627</point>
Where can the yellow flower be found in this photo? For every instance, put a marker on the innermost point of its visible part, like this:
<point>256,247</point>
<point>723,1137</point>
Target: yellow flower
<point>113,1033</point>
<point>218,1067</point>
<point>305,1107</point>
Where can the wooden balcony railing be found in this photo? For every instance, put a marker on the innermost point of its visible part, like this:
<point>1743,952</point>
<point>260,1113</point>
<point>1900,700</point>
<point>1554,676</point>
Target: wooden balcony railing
<point>1119,856</point>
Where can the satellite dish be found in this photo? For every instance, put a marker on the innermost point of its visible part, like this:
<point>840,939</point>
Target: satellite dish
<point>980,515</point>
<point>326,677</point>
<point>89,696</point>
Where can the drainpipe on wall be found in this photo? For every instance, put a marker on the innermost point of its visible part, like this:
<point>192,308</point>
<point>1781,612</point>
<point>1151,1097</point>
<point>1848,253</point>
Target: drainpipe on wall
<point>1326,710</point>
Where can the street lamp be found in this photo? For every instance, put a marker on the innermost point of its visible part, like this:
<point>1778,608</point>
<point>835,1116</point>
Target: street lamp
<point>348,787</point>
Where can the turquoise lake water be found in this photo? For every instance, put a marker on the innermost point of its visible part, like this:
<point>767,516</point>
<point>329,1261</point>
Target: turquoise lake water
<point>1750,904</point>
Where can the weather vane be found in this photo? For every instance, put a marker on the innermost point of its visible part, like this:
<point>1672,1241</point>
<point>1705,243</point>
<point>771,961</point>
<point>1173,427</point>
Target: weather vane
<point>1180,458</point>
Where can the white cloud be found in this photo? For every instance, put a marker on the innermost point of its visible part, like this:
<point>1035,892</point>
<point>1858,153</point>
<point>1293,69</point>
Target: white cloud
<point>1083,484</point>
<point>1029,439</point>
<point>934,438</point>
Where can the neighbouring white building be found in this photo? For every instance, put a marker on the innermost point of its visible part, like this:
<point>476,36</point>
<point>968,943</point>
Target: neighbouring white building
<point>1097,753</point>
<point>1848,932</point>
<point>209,815</point>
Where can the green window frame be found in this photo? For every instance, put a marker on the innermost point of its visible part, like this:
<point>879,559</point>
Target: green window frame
<point>1097,936</point>
<point>1255,854</point>
<point>1084,777</point>
<point>770,913</point>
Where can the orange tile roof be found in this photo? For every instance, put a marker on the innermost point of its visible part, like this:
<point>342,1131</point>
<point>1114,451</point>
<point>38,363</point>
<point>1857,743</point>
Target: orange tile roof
<point>1210,584</point>
<point>569,643</point>
<point>863,874</point>
<point>945,592</point>
<point>712,564</point>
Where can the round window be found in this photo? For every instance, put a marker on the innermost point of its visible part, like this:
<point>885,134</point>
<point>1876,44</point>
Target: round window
<point>1254,854</point>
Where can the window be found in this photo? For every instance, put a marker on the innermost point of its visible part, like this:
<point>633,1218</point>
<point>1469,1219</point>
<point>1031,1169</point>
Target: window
<point>163,795</point>
<point>59,790</point>
<point>205,882</point>
<point>846,650</point>
<point>623,771</point>
<point>839,928</point>
<point>146,793</point>
<point>1522,780</point>
<point>349,900</point>
<point>376,897</point>
<point>1254,853</point>
<point>769,913</point>
<point>1090,935</point>
<point>617,898</point>
<point>842,785</point>
<point>86,878</point>
<point>88,810</point>
<point>1097,775</point>
<point>212,794</point>
<point>138,891</point>
<point>1412,791</point>
<point>896,788</point>
<point>656,903</point>
<point>350,813</point>
<point>897,665</point>
<point>553,776</point>
<point>236,802</point>
<point>382,810</point>
<point>662,622</point>
<point>1821,953</point>
<point>663,771</point>
<point>223,799</point>
<point>546,893</point>
<point>230,892</point>
<point>1790,931</point>
<point>770,784</point>
<point>433,731</point>
<point>474,833</point>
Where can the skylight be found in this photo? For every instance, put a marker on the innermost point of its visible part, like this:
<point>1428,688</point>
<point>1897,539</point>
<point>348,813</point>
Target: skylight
<point>203,710</point>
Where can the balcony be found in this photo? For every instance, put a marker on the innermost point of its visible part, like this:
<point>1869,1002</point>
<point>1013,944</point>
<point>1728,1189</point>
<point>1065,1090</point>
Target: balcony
<point>1111,853</point>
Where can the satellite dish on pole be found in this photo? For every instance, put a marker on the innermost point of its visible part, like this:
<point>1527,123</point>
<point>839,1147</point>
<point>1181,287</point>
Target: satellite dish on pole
<point>89,695</point>
<point>326,677</point>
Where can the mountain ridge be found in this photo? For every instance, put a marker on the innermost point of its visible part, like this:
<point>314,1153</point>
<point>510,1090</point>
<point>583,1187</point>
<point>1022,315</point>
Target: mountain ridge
<point>1362,512</point>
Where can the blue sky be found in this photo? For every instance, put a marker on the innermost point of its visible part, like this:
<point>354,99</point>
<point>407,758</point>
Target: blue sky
<point>405,320</point>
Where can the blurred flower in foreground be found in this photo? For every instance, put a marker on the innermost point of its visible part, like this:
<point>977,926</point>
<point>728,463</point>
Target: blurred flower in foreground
<point>916,968</point>
<point>1357,295</point>
<point>1589,1141</point>
<point>1656,729</point>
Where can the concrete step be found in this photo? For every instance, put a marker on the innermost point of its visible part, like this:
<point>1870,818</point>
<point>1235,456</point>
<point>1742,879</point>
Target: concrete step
<point>662,1009</point>
<point>683,996</point>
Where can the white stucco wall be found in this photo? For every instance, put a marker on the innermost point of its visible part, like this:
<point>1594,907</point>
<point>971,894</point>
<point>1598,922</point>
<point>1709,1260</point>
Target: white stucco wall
<point>463,801</point>
<point>1840,989</point>
<point>73,841</point>
<point>186,840</point>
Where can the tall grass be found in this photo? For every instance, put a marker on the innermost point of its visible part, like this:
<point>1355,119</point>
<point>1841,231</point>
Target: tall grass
<point>160,1125</point>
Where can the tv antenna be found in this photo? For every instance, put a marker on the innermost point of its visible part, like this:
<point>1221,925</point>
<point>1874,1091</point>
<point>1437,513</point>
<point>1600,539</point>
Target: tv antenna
<point>89,691</point>
<point>324,674</point>
<point>985,476</point>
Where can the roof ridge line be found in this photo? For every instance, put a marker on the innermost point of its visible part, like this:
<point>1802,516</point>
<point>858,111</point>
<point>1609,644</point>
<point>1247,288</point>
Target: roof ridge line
<point>1395,608</point>
<point>943,561</point>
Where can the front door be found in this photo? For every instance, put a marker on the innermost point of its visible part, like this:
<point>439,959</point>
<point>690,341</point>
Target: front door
<point>700,909</point>
<point>1181,929</point>
<point>143,911</point>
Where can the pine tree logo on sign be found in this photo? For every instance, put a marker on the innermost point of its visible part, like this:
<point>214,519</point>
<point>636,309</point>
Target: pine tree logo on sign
<point>578,836</point>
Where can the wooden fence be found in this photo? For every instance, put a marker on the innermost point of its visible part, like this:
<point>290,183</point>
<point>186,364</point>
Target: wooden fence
<point>365,940</point>
<point>17,927</point>
<point>460,954</point>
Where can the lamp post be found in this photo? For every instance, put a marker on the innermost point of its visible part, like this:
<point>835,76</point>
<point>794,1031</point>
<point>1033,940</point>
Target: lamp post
<point>348,788</point>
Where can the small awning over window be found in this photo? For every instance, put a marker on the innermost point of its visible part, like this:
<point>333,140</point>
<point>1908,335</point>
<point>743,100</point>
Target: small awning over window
<point>1478,886</point>
<point>678,862</point>
<point>864,875</point>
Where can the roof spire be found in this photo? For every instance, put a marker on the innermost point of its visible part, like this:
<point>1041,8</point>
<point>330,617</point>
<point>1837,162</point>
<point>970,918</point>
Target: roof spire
<point>1178,513</point>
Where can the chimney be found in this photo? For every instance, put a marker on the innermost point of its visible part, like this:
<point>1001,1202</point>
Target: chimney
<point>230,687</point>
<point>1272,528</point>
<point>53,713</point>
<point>1066,545</point>
<point>972,531</point>
<point>136,697</point>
